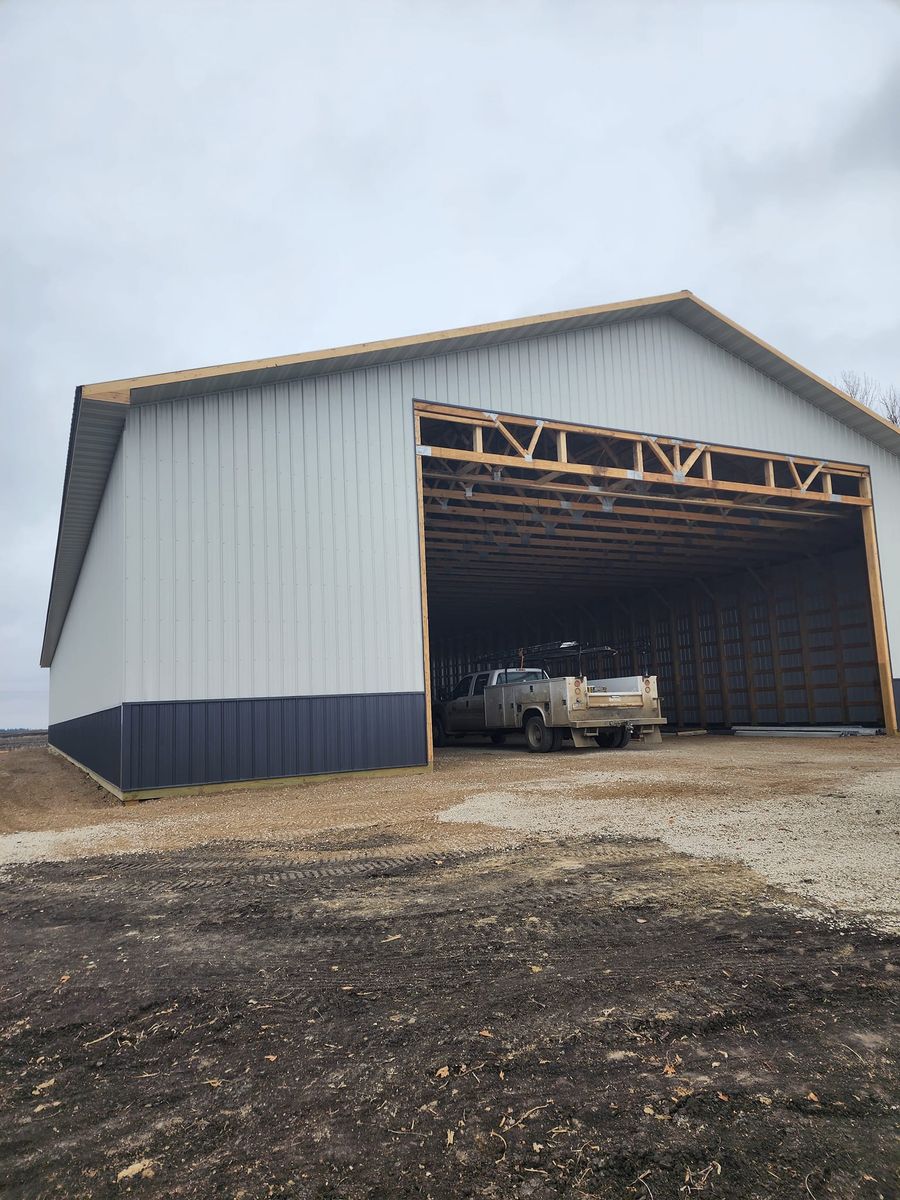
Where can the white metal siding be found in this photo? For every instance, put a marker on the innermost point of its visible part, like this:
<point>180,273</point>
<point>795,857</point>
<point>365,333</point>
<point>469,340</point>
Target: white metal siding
<point>272,543</point>
<point>87,671</point>
<point>271,532</point>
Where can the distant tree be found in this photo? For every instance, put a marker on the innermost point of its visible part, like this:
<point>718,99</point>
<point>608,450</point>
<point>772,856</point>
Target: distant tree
<point>883,399</point>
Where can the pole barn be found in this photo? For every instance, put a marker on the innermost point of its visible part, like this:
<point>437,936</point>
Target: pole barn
<point>264,569</point>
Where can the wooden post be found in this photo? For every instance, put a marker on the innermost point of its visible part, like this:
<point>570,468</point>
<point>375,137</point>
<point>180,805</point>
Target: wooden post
<point>746,645</point>
<point>838,641</point>
<point>636,668</point>
<point>426,647</point>
<point>805,649</point>
<point>676,667</point>
<point>777,668</point>
<point>654,663</point>
<point>674,652</point>
<point>876,594</point>
<point>723,665</point>
<point>698,661</point>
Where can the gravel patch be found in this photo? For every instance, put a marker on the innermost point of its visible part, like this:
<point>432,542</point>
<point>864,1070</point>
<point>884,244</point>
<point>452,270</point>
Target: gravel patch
<point>837,847</point>
<point>56,845</point>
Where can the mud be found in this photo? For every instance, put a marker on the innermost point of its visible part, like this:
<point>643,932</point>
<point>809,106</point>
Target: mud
<point>363,1014</point>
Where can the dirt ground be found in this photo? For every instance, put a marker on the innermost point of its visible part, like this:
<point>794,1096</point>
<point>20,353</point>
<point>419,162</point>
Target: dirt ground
<point>521,976</point>
<point>821,818</point>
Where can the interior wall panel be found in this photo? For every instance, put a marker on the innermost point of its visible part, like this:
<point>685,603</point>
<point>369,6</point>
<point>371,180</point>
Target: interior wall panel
<point>792,645</point>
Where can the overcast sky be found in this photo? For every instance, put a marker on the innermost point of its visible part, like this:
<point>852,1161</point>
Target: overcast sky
<point>191,183</point>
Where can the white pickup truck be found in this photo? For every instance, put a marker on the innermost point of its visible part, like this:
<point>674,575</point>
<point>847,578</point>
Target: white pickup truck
<point>605,712</point>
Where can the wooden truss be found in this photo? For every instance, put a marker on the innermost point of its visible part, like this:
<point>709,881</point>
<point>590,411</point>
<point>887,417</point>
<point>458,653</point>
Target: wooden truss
<point>609,454</point>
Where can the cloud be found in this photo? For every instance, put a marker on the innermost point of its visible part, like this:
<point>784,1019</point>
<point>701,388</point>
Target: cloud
<point>204,182</point>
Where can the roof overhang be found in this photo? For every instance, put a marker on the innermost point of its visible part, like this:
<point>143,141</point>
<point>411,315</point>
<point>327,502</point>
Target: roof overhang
<point>101,408</point>
<point>94,435</point>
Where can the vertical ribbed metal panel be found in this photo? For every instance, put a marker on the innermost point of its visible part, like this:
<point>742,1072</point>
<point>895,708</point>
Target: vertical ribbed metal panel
<point>87,671</point>
<point>94,740</point>
<point>272,543</point>
<point>186,742</point>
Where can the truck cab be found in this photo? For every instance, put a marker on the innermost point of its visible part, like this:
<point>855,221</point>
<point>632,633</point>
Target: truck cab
<point>462,711</point>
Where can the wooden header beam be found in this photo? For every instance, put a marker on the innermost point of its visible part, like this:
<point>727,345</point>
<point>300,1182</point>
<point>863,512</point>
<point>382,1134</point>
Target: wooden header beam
<point>488,420</point>
<point>692,465</point>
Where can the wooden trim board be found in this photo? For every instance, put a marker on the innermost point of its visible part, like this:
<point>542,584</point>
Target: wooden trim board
<point>876,594</point>
<point>423,584</point>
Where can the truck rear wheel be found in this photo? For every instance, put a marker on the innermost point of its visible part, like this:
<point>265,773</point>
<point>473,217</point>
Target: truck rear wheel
<point>438,733</point>
<point>540,739</point>
<point>498,738</point>
<point>614,739</point>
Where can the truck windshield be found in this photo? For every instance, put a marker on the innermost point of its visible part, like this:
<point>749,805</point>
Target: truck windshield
<point>527,676</point>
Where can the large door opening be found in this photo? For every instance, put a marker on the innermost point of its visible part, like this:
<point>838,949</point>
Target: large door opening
<point>747,581</point>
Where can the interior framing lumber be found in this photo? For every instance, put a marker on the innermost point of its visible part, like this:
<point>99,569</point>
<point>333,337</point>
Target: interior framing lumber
<point>615,492</point>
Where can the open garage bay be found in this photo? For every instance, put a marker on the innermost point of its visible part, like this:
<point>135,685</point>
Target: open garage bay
<point>746,582</point>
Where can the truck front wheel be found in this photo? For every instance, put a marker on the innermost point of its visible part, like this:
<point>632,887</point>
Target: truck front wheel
<point>540,739</point>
